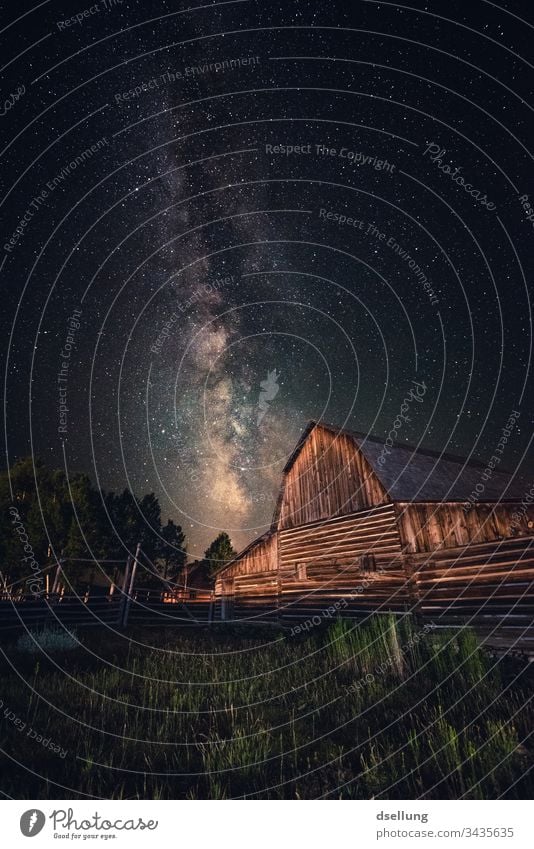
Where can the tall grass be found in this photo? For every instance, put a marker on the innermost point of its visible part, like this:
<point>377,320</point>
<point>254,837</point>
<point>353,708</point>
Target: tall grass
<point>380,709</point>
<point>47,639</point>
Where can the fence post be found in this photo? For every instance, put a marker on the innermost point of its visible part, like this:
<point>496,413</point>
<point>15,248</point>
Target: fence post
<point>411,570</point>
<point>55,585</point>
<point>210,611</point>
<point>128,596</point>
<point>5,592</point>
<point>123,589</point>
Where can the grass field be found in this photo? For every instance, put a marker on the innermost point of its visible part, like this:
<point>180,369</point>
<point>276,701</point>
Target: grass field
<point>382,709</point>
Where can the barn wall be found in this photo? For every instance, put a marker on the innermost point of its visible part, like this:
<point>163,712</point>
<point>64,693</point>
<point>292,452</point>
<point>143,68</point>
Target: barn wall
<point>427,527</point>
<point>255,569</point>
<point>347,566</point>
<point>330,477</point>
<point>336,545</point>
<point>490,585</point>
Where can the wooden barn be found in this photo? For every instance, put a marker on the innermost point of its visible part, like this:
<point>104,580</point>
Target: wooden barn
<point>362,527</point>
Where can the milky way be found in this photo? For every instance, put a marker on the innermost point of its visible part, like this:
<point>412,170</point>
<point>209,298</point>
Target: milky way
<point>265,214</point>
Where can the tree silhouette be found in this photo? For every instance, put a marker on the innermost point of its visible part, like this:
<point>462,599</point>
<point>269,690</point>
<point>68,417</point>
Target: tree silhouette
<point>219,552</point>
<point>73,520</point>
<point>172,554</point>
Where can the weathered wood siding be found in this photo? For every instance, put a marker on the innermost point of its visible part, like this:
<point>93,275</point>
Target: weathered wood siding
<point>347,566</point>
<point>427,527</point>
<point>354,596</point>
<point>489,585</point>
<point>336,545</point>
<point>330,477</point>
<point>256,569</point>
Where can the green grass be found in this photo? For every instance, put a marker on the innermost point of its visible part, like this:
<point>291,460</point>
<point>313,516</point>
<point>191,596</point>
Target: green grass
<point>381,709</point>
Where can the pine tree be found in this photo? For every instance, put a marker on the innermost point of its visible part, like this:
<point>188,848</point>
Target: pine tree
<point>219,552</point>
<point>172,554</point>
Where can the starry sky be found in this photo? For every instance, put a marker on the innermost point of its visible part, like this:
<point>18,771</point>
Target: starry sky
<point>240,216</point>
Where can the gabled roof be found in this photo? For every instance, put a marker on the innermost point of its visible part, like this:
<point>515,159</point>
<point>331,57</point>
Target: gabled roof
<point>244,551</point>
<point>416,474</point>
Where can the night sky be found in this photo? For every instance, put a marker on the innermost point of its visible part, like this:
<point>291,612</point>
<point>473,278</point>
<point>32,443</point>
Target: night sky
<point>256,211</point>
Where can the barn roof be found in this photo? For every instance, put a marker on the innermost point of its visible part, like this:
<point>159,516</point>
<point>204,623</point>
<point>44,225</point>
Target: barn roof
<point>244,551</point>
<point>416,474</point>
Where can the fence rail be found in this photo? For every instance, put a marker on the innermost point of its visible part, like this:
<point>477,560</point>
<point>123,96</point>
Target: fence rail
<point>30,612</point>
<point>144,608</point>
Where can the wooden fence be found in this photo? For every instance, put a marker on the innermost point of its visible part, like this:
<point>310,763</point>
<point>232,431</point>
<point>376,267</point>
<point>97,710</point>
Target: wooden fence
<point>69,610</point>
<point>144,607</point>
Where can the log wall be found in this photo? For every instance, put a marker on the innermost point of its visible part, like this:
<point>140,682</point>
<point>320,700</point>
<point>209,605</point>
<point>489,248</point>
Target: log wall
<point>251,581</point>
<point>488,585</point>
<point>347,566</point>
<point>337,545</point>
